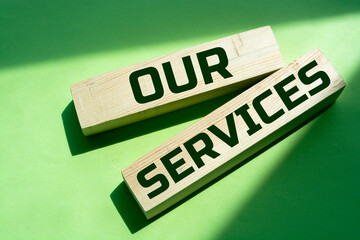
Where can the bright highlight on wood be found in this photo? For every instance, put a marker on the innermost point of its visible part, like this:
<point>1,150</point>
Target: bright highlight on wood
<point>175,80</point>
<point>233,132</point>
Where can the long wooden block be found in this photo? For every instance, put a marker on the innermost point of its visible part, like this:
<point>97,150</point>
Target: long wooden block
<point>233,132</point>
<point>175,80</point>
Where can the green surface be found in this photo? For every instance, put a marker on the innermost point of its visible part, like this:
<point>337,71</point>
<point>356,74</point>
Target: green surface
<point>57,184</point>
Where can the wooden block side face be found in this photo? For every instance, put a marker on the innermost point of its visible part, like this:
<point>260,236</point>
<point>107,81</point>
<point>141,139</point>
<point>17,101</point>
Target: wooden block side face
<point>207,148</point>
<point>110,100</point>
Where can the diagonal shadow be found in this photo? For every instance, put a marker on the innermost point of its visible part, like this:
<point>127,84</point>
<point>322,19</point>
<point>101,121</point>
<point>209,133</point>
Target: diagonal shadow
<point>43,30</point>
<point>314,192</point>
<point>79,144</point>
<point>131,212</point>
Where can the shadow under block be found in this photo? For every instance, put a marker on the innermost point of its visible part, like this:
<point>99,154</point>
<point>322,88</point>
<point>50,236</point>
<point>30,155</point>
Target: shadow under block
<point>175,80</point>
<point>233,132</point>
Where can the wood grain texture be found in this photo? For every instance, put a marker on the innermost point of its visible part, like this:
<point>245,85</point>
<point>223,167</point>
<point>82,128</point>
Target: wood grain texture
<point>107,101</point>
<point>288,97</point>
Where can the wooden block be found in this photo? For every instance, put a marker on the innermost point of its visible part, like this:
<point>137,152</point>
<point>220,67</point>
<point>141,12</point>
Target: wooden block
<point>175,80</point>
<point>233,132</point>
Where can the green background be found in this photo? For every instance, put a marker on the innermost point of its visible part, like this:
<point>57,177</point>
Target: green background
<point>57,184</point>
